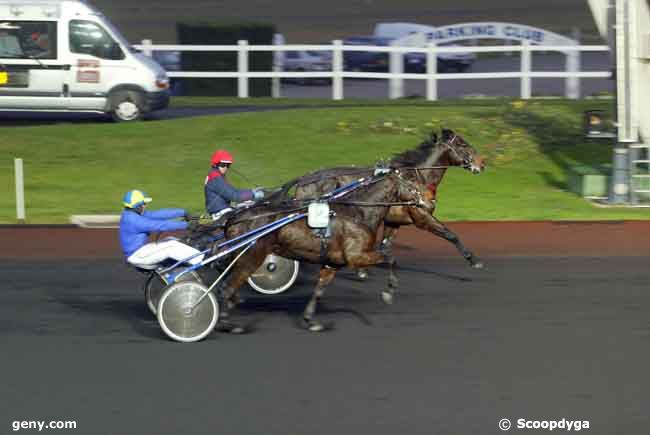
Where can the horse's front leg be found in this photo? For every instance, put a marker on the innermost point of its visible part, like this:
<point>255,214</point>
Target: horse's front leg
<point>325,276</point>
<point>426,221</point>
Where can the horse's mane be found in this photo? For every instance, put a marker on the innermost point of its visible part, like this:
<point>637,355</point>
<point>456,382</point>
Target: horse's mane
<point>416,156</point>
<point>321,174</point>
<point>411,157</point>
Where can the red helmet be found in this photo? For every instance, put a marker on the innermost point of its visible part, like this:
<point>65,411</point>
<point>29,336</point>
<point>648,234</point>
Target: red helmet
<point>221,156</point>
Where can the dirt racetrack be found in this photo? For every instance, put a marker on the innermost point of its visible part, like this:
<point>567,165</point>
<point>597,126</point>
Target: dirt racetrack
<point>558,238</point>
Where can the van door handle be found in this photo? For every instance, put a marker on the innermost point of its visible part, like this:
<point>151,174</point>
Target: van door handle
<point>66,67</point>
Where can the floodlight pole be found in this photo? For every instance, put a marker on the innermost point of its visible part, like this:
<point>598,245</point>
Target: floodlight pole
<point>619,22</point>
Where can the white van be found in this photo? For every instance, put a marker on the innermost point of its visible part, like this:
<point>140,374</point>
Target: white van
<point>64,55</point>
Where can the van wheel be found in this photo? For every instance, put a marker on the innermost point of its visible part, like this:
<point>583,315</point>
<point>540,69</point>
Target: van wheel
<point>127,106</point>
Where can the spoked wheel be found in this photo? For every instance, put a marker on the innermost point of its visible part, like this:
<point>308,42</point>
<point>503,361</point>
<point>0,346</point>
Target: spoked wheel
<point>180,318</point>
<point>275,275</point>
<point>156,284</point>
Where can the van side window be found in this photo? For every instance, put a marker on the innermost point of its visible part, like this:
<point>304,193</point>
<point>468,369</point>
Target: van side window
<point>90,38</point>
<point>28,39</point>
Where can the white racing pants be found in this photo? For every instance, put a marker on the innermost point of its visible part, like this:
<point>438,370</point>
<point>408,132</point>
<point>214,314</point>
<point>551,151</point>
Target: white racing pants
<point>154,253</point>
<point>216,216</point>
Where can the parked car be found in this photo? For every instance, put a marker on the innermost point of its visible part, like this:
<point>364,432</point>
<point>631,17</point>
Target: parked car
<point>413,62</point>
<point>307,61</point>
<point>459,62</point>
<point>447,62</point>
<point>170,61</point>
<point>409,31</point>
<point>372,61</point>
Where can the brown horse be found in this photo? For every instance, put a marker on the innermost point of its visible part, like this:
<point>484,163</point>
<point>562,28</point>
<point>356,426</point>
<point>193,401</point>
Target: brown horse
<point>350,240</point>
<point>425,165</point>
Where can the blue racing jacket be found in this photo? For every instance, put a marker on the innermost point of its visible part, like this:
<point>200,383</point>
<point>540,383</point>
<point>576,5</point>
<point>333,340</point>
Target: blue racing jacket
<point>135,228</point>
<point>219,193</point>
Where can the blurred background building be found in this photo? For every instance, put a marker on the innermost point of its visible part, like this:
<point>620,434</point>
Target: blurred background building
<point>316,21</point>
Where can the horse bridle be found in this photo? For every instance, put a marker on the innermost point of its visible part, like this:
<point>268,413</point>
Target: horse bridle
<point>464,157</point>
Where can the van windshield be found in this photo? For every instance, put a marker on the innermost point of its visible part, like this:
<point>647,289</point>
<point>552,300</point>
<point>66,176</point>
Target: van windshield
<point>28,39</point>
<point>88,37</point>
<point>115,32</point>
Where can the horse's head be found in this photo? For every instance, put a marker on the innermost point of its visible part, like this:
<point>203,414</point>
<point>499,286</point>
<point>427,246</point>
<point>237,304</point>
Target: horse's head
<point>461,153</point>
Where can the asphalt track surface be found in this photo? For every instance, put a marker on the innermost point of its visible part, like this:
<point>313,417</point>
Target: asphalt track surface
<point>529,337</point>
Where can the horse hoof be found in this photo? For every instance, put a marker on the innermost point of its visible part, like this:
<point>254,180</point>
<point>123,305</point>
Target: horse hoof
<point>313,326</point>
<point>237,330</point>
<point>478,265</point>
<point>362,274</point>
<point>387,298</point>
<point>316,327</point>
<point>230,328</point>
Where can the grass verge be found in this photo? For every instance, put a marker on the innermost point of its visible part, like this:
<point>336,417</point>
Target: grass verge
<point>86,168</point>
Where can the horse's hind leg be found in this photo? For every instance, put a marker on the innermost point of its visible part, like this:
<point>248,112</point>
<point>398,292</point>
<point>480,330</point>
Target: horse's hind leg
<point>236,278</point>
<point>230,301</point>
<point>388,295</point>
<point>325,276</point>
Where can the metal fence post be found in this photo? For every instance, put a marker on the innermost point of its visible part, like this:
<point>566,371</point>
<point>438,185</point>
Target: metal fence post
<point>337,70</point>
<point>396,84</point>
<point>242,69</point>
<point>20,190</point>
<point>146,47</point>
<point>432,71</point>
<point>525,71</point>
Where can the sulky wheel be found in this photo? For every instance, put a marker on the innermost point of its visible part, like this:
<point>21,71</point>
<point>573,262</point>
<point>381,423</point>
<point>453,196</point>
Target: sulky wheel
<point>275,275</point>
<point>180,319</point>
<point>156,284</point>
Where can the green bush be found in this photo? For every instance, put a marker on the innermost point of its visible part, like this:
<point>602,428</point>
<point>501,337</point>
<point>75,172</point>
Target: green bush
<point>225,34</point>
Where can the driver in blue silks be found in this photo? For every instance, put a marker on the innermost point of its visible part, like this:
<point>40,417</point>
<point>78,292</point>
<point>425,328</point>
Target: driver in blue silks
<point>219,194</point>
<point>136,225</point>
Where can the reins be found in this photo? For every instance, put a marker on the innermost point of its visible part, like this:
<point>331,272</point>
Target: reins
<point>331,201</point>
<point>377,204</point>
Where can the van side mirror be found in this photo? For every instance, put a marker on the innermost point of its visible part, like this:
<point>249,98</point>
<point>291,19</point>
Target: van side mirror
<point>116,52</point>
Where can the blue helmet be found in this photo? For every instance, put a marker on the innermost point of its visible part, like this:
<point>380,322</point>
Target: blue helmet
<point>135,198</point>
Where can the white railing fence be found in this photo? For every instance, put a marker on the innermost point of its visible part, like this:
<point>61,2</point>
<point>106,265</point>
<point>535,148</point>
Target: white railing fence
<point>396,76</point>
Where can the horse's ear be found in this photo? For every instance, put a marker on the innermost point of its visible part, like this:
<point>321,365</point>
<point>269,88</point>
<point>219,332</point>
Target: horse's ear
<point>433,137</point>
<point>447,134</point>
